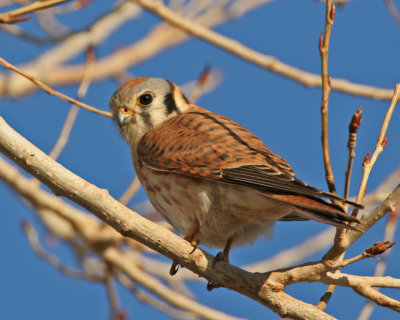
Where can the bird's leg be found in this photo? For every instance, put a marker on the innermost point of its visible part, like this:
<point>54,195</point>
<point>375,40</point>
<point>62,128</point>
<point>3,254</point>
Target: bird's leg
<point>190,237</point>
<point>221,256</point>
<point>224,255</point>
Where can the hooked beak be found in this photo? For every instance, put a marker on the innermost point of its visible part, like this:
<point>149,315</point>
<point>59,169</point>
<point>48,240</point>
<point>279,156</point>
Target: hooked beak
<point>124,117</point>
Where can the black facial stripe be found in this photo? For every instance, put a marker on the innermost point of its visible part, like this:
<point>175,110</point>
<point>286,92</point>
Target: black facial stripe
<point>146,118</point>
<point>170,102</point>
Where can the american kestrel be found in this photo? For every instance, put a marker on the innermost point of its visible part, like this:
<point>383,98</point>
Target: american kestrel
<point>212,180</point>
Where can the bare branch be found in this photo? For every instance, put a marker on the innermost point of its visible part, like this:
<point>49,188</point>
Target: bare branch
<point>160,38</point>
<point>380,299</point>
<point>52,260</point>
<point>129,223</point>
<point>94,233</point>
<point>265,61</point>
<point>112,294</point>
<point>380,268</point>
<point>69,48</point>
<point>201,82</point>
<point>51,91</point>
<point>73,112</point>
<point>326,297</point>
<point>12,16</point>
<point>371,252</point>
<point>326,89</point>
<point>393,11</point>
<point>364,286</point>
<point>380,145</point>
<point>351,144</point>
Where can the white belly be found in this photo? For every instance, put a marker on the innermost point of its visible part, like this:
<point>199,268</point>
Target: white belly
<point>222,210</point>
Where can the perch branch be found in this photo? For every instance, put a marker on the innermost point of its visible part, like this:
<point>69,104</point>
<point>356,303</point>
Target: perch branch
<point>130,224</point>
<point>94,232</point>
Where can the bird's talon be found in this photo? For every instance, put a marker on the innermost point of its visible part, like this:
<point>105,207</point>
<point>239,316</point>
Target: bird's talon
<point>220,257</point>
<point>211,286</point>
<point>195,244</point>
<point>174,268</point>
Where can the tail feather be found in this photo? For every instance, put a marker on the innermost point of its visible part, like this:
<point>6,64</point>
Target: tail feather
<point>329,195</point>
<point>316,209</point>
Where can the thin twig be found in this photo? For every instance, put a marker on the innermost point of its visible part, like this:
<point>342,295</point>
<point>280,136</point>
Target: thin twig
<point>52,91</point>
<point>119,15</point>
<point>201,82</point>
<point>73,112</point>
<point>354,259</point>
<point>351,144</point>
<point>164,307</point>
<point>157,40</point>
<point>323,302</point>
<point>393,10</point>
<point>146,297</point>
<point>326,89</point>
<point>112,294</point>
<point>12,16</point>
<point>380,268</point>
<point>52,260</point>
<point>380,145</point>
<point>268,62</point>
<point>371,252</point>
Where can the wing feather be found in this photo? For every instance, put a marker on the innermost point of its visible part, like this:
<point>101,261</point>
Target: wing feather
<point>205,145</point>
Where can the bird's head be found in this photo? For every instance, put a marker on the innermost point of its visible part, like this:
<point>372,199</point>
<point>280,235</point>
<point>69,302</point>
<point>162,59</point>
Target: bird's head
<point>142,104</point>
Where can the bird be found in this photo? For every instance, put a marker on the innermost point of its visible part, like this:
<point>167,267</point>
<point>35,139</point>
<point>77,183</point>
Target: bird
<point>213,180</point>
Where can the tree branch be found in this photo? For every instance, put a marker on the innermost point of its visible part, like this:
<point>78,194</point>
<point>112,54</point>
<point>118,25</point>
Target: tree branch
<point>129,223</point>
<point>265,61</point>
<point>12,16</point>
<point>380,145</point>
<point>52,91</point>
<point>326,89</point>
<point>94,233</point>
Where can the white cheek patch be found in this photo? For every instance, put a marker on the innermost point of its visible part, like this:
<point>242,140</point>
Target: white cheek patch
<point>157,116</point>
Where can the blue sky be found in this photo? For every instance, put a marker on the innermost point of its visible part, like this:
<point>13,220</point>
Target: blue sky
<point>284,114</point>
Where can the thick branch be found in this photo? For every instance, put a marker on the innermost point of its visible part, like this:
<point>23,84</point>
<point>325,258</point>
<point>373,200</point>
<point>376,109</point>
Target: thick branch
<point>98,201</point>
<point>94,233</point>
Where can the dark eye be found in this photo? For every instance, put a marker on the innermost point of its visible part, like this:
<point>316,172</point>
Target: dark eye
<point>145,99</point>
